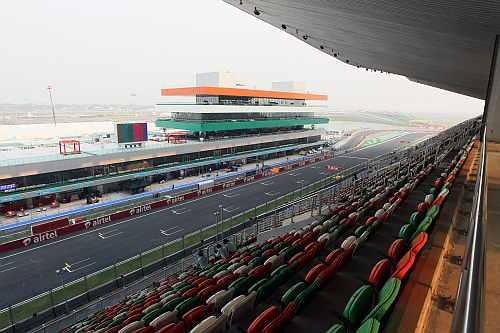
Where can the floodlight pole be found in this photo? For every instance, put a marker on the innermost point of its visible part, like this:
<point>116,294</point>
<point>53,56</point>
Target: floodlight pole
<point>49,88</point>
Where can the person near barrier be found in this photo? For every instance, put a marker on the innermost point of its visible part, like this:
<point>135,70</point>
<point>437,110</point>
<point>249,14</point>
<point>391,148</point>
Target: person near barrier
<point>220,251</point>
<point>230,247</point>
<point>201,260</point>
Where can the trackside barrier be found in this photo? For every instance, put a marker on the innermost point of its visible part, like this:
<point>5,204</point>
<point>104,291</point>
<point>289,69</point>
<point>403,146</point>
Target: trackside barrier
<point>172,256</point>
<point>49,226</point>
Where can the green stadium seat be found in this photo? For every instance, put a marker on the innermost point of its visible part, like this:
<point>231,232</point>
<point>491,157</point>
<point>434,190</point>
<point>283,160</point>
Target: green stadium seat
<point>359,304</point>
<point>385,299</point>
<point>369,326</point>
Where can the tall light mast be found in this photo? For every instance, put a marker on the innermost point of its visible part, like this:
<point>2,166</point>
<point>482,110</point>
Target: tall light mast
<point>49,88</point>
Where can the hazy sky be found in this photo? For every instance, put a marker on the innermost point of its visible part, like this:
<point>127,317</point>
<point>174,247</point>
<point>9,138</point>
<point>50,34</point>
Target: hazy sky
<point>104,51</point>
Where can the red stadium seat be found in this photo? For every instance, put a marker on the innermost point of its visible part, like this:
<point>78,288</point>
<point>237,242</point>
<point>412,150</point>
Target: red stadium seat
<point>396,249</point>
<point>333,255</point>
<point>313,273</point>
<point>263,319</point>
<point>419,242</point>
<point>380,273</point>
<point>404,265</point>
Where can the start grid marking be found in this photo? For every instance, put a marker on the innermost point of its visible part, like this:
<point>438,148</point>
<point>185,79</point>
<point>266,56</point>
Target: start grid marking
<point>181,211</point>
<point>7,266</point>
<point>78,265</point>
<point>231,209</point>
<point>109,233</point>
<point>171,231</point>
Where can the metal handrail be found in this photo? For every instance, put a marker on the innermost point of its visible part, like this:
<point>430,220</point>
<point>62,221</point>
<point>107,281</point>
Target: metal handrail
<point>468,316</point>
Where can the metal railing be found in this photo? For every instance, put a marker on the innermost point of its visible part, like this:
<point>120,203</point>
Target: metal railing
<point>469,309</point>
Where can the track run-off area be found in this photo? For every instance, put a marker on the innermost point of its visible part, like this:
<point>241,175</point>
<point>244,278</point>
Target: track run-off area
<point>32,271</point>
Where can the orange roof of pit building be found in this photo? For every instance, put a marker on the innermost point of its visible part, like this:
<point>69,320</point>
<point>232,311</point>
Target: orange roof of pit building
<point>221,91</point>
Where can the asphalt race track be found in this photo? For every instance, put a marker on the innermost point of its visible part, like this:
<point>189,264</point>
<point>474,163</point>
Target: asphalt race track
<point>32,271</point>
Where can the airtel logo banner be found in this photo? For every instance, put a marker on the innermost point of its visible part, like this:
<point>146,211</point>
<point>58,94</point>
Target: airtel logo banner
<point>139,210</point>
<point>40,238</point>
<point>97,221</point>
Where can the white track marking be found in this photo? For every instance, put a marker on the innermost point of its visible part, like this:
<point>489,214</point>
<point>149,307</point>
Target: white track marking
<point>272,193</point>
<point>267,183</point>
<point>181,211</point>
<point>109,233</point>
<point>294,174</point>
<point>8,269</point>
<point>355,157</point>
<point>70,267</point>
<point>7,263</point>
<point>171,231</point>
<point>231,195</point>
<point>230,209</point>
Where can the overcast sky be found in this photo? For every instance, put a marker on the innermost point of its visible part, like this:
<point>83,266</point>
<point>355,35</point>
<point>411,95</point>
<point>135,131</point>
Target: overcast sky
<point>105,51</point>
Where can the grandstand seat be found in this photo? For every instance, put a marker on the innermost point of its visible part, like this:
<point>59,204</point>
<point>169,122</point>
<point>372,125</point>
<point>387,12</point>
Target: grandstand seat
<point>129,328</point>
<point>241,285</point>
<point>187,305</point>
<point>147,329</point>
<point>284,317</point>
<point>263,319</point>
<point>220,298</point>
<point>293,291</point>
<point>337,328</point>
<point>419,242</point>
<point>333,255</point>
<point>164,319</point>
<point>385,299</point>
<point>380,273</point>
<point>221,273</point>
<point>303,296</point>
<point>242,270</point>
<point>170,297</point>
<point>369,326</point>
<point>313,272</point>
<point>238,307</point>
<point>274,261</point>
<point>349,243</point>
<point>211,324</point>
<point>404,265</point>
<point>173,328</point>
<point>257,285</point>
<point>196,315</point>
<point>396,249</point>
<point>359,304</point>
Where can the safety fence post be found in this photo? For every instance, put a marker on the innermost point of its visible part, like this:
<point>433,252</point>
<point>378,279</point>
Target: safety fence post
<point>11,314</point>
<point>86,283</point>
<point>183,252</point>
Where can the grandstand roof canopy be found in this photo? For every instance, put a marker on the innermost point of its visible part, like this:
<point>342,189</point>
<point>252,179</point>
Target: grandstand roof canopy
<point>222,91</point>
<point>442,43</point>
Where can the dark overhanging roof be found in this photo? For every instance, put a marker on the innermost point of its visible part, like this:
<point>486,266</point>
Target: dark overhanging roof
<point>442,43</point>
